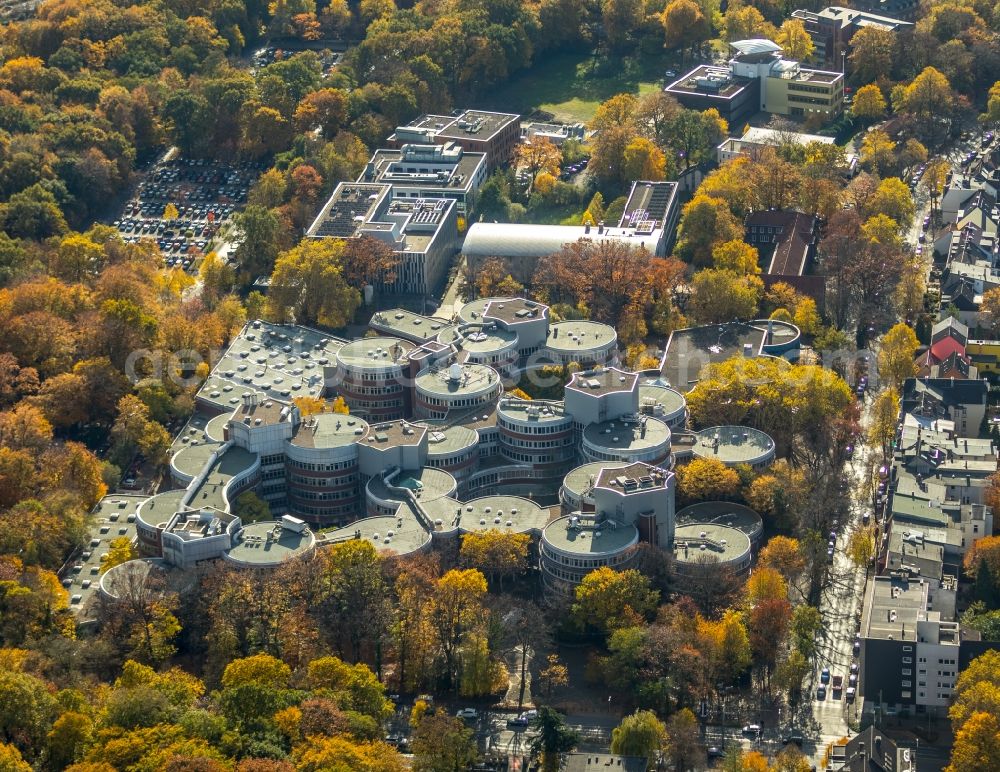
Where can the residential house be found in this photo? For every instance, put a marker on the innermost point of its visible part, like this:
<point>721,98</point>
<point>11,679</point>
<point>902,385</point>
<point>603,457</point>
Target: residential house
<point>786,240</point>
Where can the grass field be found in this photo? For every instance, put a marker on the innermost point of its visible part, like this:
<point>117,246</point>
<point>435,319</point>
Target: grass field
<point>571,86</point>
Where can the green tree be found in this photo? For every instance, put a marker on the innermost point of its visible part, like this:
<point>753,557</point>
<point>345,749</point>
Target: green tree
<point>251,508</point>
<point>259,241</point>
<point>640,734</point>
<point>553,740</point>
<point>992,115</point>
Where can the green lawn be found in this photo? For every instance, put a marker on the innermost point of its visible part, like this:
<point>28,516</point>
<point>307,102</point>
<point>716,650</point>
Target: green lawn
<point>571,86</point>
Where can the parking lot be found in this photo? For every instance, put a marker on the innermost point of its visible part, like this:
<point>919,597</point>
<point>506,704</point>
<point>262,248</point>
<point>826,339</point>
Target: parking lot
<point>205,195</point>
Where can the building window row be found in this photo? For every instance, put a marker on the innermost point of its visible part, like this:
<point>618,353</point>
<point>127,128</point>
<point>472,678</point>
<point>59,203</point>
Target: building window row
<point>464,402</point>
<point>327,496</point>
<point>809,100</point>
<point>323,482</point>
<point>362,375</point>
<point>372,391</point>
<point>322,467</point>
<point>810,89</point>
<point>533,428</point>
<point>518,443</point>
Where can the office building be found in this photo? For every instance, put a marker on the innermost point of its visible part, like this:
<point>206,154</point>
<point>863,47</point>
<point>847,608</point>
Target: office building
<point>422,232</point>
<point>429,171</point>
<point>477,131</point>
<point>758,78</point>
<point>832,28</point>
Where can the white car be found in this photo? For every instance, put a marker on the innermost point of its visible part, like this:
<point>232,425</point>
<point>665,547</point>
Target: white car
<point>467,713</point>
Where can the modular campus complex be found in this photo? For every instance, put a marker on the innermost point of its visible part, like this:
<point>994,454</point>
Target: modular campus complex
<point>434,447</point>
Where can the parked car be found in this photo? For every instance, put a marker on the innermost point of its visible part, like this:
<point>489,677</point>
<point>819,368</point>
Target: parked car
<point>824,675</point>
<point>821,692</point>
<point>467,713</point>
<point>794,737</point>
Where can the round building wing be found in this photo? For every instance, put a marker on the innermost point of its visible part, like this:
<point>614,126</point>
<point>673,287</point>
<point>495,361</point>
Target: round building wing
<point>735,445</point>
<point>703,549</point>
<point>573,546</point>
<point>455,387</point>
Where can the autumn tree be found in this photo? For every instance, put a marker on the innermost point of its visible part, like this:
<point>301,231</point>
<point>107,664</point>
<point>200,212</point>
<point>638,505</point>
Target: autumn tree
<point>992,115</point>
<point>442,743</point>
<point>810,411</point>
<point>861,547</point>
<point>614,124</point>
<point>795,41</point>
<point>877,151</point>
<point>367,260</point>
<point>553,675</point>
<point>620,18</point>
<point>872,53</point>
<point>722,296</point>
<point>736,256</point>
<point>934,178</point>
<point>884,421</point>
<point>928,97</point>
<point>684,25</point>
<point>784,555</point>
<point>989,309</point>
<point>351,600</point>
<point>683,745</point>
<point>455,609</point>
<point>977,744</point>
<point>643,160</point>
<point>538,155</point>
<point>705,222</point>
<point>742,22</point>
<point>608,599</point>
<point>496,553</point>
<point>309,286</point>
<point>869,104</point>
<point>119,551</point>
<point>896,355</point>
<point>704,479</point>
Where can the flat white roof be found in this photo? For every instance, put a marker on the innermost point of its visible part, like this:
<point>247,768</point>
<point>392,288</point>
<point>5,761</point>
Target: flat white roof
<point>763,136</point>
<point>486,239</point>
